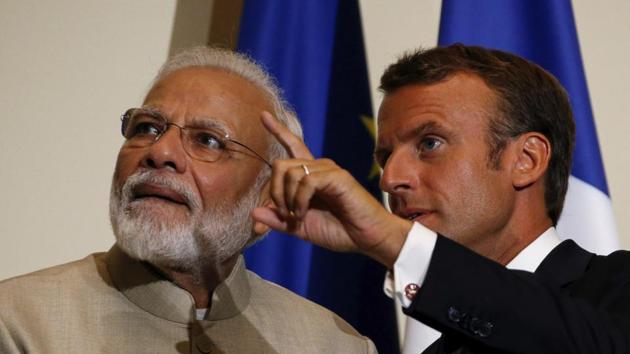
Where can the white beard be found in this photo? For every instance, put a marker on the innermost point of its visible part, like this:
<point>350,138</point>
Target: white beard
<point>204,240</point>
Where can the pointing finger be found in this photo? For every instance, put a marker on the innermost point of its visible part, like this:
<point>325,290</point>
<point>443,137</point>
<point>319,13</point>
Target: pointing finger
<point>292,143</point>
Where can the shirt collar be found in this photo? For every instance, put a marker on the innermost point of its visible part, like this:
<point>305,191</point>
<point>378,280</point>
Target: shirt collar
<point>148,289</point>
<point>531,256</point>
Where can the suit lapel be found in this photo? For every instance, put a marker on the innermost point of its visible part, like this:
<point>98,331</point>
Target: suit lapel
<point>565,264</point>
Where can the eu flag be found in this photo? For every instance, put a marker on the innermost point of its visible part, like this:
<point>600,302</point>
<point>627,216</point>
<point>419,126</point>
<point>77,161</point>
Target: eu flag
<point>315,50</point>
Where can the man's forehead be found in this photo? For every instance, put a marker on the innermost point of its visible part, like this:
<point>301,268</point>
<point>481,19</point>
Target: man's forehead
<point>208,77</point>
<point>208,97</point>
<point>461,92</point>
<point>388,136</point>
<point>426,110</point>
<point>197,121</point>
<point>411,110</point>
<point>200,84</point>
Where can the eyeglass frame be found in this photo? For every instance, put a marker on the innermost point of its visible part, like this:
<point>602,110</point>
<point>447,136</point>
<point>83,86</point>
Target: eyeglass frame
<point>156,114</point>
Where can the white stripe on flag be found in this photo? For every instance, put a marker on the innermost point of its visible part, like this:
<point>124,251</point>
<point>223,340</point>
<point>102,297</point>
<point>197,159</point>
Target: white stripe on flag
<point>588,218</point>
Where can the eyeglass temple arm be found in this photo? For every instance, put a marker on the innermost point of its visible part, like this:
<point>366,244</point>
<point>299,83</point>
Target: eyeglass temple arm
<point>252,151</point>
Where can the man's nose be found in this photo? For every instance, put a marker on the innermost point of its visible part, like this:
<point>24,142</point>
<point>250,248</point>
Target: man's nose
<point>167,152</point>
<point>399,174</point>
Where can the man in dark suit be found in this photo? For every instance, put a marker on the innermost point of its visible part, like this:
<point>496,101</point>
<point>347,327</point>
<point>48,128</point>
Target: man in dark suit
<point>475,145</point>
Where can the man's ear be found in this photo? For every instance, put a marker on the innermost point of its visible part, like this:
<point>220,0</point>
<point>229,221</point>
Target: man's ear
<point>264,201</point>
<point>532,151</point>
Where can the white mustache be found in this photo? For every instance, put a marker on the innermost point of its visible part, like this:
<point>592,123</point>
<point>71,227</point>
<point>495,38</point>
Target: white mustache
<point>147,176</point>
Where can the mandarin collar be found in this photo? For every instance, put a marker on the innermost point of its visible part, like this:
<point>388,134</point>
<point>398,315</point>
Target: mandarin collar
<point>144,286</point>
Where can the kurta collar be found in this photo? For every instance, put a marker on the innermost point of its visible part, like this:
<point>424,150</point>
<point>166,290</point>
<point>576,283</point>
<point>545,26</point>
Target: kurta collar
<point>149,290</point>
<point>232,296</point>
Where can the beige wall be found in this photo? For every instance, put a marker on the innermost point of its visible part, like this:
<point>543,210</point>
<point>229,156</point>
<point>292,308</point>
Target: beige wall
<point>69,68</point>
<point>604,29</point>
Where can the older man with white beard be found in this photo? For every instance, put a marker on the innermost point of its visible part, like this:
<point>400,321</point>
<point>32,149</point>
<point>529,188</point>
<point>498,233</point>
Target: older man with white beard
<point>194,164</point>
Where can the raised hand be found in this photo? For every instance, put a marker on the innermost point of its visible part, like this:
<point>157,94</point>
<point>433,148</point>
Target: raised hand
<point>320,202</point>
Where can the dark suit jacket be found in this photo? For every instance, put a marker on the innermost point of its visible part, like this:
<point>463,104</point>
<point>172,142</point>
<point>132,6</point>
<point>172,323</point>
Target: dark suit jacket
<point>575,302</point>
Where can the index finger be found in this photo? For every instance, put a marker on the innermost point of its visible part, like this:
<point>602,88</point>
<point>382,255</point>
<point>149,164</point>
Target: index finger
<point>292,143</point>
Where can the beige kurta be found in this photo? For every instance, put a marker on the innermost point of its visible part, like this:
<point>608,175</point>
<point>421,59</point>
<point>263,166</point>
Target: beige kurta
<point>110,303</point>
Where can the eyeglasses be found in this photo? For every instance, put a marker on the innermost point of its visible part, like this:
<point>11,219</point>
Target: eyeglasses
<point>143,127</point>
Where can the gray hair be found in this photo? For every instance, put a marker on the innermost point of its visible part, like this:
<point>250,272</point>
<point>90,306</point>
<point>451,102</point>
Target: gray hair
<point>245,67</point>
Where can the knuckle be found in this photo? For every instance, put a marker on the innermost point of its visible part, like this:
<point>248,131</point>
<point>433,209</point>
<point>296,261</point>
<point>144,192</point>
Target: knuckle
<point>306,180</point>
<point>279,164</point>
<point>296,172</point>
<point>329,162</point>
<point>291,174</point>
<point>344,174</point>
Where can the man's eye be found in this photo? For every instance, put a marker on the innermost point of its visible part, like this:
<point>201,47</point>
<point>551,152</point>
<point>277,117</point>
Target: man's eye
<point>429,144</point>
<point>143,129</point>
<point>380,157</point>
<point>208,141</point>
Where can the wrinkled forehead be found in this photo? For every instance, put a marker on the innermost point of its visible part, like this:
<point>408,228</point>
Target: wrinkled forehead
<point>200,95</point>
<point>461,103</point>
<point>209,83</point>
<point>156,114</point>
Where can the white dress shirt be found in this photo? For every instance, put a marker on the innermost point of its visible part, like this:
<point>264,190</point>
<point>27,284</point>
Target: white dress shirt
<point>413,263</point>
